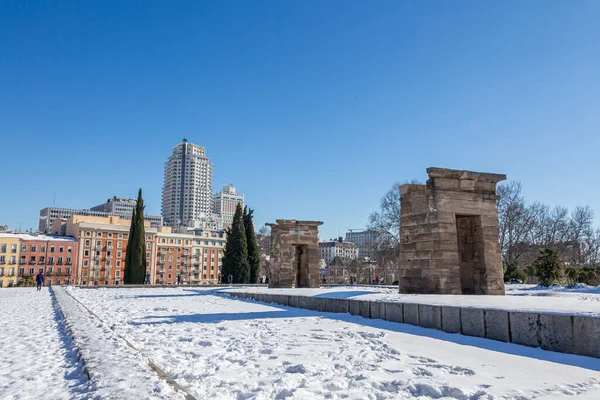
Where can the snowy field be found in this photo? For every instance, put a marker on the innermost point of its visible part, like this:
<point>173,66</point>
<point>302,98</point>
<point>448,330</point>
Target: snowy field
<point>38,360</point>
<point>579,300</point>
<point>218,347</point>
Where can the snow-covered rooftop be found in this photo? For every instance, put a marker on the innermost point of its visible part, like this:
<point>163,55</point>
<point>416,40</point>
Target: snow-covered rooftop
<point>29,236</point>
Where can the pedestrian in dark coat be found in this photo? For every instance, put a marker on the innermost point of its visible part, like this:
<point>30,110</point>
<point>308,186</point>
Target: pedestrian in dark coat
<point>39,280</point>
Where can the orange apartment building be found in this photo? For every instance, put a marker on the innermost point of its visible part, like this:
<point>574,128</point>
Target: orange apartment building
<point>173,256</point>
<point>54,256</point>
<point>102,243</point>
<point>207,259</point>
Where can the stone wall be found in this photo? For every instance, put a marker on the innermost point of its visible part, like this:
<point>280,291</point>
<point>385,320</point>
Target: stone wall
<point>449,240</point>
<point>572,334</point>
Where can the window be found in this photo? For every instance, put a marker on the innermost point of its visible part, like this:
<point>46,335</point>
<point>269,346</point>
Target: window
<point>119,245</point>
<point>3,248</point>
<point>118,263</point>
<point>32,259</point>
<point>109,234</point>
<point>42,260</point>
<point>51,249</point>
<point>13,248</point>
<point>43,249</point>
<point>33,248</point>
<point>85,263</point>
<point>88,233</point>
<point>49,270</point>
<point>98,243</point>
<point>23,247</point>
<point>120,236</point>
<point>147,255</point>
<point>31,271</point>
<point>99,234</point>
<point>13,260</point>
<point>119,254</point>
<point>109,243</point>
<point>21,271</point>
<point>60,260</point>
<point>148,245</point>
<point>69,261</point>
<point>51,260</point>
<point>68,271</point>
<point>69,249</point>
<point>87,242</point>
<point>41,270</point>
<point>170,258</point>
<point>117,273</point>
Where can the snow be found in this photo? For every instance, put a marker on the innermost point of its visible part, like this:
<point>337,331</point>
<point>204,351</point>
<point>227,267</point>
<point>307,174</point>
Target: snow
<point>116,371</point>
<point>219,347</point>
<point>580,300</point>
<point>38,359</point>
<point>27,236</point>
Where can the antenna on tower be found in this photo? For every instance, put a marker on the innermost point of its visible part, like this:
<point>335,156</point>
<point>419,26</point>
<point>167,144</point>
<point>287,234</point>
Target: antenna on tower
<point>54,199</point>
<point>185,136</point>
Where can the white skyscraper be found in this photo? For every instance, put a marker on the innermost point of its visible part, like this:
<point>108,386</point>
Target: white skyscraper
<point>187,189</point>
<point>225,203</point>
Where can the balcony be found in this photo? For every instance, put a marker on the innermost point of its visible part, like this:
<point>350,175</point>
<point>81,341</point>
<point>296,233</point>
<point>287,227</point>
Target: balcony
<point>42,262</point>
<point>59,263</point>
<point>50,262</point>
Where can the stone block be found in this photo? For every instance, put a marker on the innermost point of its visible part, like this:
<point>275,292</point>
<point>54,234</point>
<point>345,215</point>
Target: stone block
<point>394,312</point>
<point>411,314</point>
<point>496,325</point>
<point>430,316</point>
<point>312,303</point>
<point>339,305</point>
<point>377,309</point>
<point>282,299</point>
<point>451,319</point>
<point>354,307</point>
<point>557,332</point>
<point>364,308</point>
<point>525,328</point>
<point>324,304</point>
<point>294,301</point>
<point>472,322</point>
<point>586,336</point>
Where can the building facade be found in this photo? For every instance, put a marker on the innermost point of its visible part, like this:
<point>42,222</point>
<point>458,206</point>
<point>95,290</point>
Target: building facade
<point>208,248</point>
<point>366,240</point>
<point>9,257</point>
<point>49,214</point>
<point>102,245</point>
<point>226,202</point>
<point>117,206</point>
<point>337,248</point>
<point>173,256</point>
<point>187,188</point>
<point>54,256</point>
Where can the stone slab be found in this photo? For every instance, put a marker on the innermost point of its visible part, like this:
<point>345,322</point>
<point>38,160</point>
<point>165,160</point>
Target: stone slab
<point>451,319</point>
<point>586,336</point>
<point>324,304</point>
<point>496,325</point>
<point>364,308</point>
<point>411,314</point>
<point>430,316</point>
<point>354,307</point>
<point>525,328</point>
<point>377,310</point>
<point>394,312</point>
<point>339,305</point>
<point>472,322</point>
<point>557,332</point>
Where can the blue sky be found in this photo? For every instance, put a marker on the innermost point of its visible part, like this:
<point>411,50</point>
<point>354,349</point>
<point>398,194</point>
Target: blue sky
<point>313,109</point>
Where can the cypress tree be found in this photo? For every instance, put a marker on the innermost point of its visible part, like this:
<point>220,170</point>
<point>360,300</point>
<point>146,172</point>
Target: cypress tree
<point>135,259</point>
<point>235,259</point>
<point>253,249</point>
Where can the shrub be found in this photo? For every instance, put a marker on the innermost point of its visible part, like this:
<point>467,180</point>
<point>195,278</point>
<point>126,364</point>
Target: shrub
<point>513,273</point>
<point>548,267</point>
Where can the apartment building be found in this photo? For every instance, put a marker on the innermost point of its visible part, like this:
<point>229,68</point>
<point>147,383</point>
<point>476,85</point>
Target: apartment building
<point>102,245</point>
<point>337,248</point>
<point>226,202</point>
<point>54,256</point>
<point>208,248</point>
<point>173,256</point>
<point>9,257</point>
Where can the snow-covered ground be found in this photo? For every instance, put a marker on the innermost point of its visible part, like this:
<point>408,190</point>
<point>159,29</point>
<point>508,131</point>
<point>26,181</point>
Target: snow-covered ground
<point>219,347</point>
<point>37,358</point>
<point>580,300</point>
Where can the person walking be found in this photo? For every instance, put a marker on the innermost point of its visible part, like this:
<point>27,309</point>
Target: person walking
<point>39,280</point>
<point>147,278</point>
<point>178,279</point>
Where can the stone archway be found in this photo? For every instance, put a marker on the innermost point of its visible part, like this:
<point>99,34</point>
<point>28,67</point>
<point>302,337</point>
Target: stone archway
<point>294,254</point>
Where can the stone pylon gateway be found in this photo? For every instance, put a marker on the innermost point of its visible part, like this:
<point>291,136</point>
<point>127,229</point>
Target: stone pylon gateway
<point>294,254</point>
<point>449,240</point>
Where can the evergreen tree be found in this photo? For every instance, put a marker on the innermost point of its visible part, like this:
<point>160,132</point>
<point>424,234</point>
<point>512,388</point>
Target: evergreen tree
<point>235,258</point>
<point>548,267</point>
<point>135,258</point>
<point>253,249</point>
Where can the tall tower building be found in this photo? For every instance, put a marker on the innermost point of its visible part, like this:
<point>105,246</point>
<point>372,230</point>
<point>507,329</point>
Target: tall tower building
<point>187,189</point>
<point>225,203</point>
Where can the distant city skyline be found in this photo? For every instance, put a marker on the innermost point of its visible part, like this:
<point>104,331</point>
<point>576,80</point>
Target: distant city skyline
<point>312,109</point>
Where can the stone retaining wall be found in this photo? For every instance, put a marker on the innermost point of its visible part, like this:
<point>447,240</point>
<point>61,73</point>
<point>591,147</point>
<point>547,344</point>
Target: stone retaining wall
<point>555,332</point>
